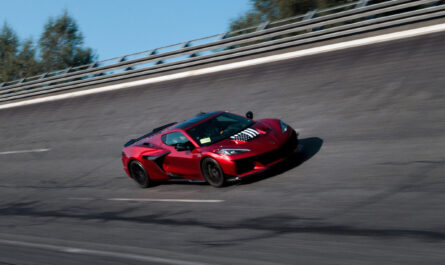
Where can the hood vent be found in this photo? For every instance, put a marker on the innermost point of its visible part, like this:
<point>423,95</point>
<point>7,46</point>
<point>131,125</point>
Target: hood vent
<point>246,135</point>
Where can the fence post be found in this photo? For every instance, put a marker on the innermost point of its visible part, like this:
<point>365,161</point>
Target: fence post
<point>224,35</point>
<point>308,16</point>
<point>361,3</point>
<point>43,76</point>
<point>153,52</point>
<point>263,26</point>
<point>188,44</point>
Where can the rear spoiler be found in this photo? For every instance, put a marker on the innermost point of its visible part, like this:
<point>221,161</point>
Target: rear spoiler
<point>155,130</point>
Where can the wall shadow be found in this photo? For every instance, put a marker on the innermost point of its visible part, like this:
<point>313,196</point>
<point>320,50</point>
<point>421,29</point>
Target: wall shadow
<point>309,148</point>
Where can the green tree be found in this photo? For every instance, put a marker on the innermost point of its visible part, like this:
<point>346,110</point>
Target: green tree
<point>269,10</point>
<point>9,45</point>
<point>61,45</point>
<point>251,18</point>
<point>26,60</point>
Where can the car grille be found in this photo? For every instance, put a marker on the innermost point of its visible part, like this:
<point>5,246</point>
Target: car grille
<point>247,164</point>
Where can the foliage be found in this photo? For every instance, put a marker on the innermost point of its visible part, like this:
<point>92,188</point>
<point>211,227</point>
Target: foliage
<point>269,10</point>
<point>59,47</point>
<point>9,45</point>
<point>26,60</point>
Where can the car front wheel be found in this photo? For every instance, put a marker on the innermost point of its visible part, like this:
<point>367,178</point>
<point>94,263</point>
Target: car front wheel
<point>212,172</point>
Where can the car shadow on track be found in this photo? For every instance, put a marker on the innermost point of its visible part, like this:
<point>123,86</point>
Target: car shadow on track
<point>309,148</point>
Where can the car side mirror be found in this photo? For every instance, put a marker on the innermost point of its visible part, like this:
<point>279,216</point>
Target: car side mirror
<point>249,115</point>
<point>183,146</point>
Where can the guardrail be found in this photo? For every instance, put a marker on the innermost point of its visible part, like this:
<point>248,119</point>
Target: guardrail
<point>317,25</point>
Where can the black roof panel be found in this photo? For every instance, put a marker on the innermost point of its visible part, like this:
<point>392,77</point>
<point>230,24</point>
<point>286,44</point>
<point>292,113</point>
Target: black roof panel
<point>196,119</point>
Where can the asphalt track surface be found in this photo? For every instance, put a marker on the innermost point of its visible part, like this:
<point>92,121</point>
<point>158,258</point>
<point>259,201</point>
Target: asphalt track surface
<point>368,188</point>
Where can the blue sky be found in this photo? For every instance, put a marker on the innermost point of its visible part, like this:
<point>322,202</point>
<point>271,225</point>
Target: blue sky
<point>117,27</point>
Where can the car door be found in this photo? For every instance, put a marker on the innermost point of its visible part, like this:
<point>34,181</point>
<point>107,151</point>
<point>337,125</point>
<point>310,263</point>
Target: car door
<point>179,164</point>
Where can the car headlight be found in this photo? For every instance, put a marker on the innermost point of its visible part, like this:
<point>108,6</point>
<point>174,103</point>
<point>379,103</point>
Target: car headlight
<point>283,126</point>
<point>228,151</point>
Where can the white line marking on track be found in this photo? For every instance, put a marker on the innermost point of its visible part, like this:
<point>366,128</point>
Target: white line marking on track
<point>25,151</point>
<point>268,59</point>
<point>149,200</point>
<point>82,199</point>
<point>164,200</point>
<point>102,253</point>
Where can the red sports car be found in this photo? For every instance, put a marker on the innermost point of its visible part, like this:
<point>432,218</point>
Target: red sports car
<point>213,147</point>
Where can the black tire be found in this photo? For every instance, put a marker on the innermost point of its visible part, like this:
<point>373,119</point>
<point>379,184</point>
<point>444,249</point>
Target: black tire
<point>212,172</point>
<point>139,174</point>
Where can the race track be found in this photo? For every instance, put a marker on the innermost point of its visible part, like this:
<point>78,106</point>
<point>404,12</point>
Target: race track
<point>368,189</point>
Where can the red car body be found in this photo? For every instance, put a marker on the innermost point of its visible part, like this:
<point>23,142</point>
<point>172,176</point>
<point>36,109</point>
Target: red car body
<point>164,154</point>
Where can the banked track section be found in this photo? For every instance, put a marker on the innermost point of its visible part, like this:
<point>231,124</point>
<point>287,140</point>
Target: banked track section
<point>318,25</point>
<point>368,188</point>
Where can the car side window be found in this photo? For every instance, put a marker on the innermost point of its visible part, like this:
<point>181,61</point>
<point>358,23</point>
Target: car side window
<point>174,138</point>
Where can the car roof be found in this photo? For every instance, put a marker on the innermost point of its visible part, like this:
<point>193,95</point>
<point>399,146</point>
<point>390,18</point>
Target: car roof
<point>195,120</point>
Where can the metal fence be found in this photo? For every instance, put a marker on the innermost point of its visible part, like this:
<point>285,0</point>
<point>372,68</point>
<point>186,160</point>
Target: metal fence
<point>316,25</point>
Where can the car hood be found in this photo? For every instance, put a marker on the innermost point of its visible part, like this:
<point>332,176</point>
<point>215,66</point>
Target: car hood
<point>267,140</point>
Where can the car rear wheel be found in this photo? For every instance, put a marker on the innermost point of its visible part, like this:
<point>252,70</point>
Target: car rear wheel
<point>139,174</point>
<point>212,172</point>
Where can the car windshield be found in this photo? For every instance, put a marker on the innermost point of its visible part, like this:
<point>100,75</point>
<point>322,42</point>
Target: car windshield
<point>218,128</point>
